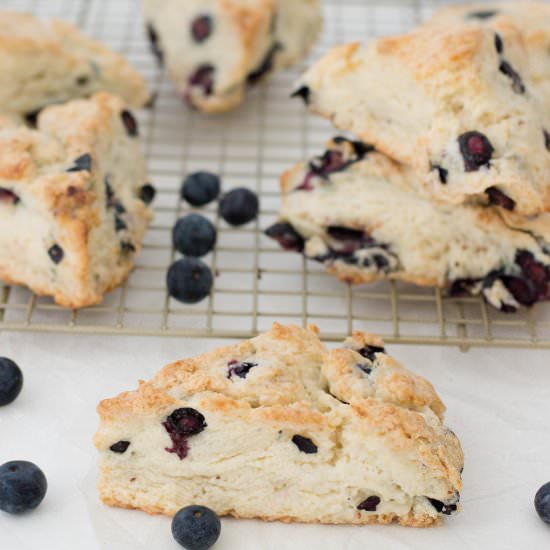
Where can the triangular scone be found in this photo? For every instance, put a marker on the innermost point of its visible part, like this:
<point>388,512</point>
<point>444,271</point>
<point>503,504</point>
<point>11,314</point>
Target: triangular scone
<point>278,428</point>
<point>456,103</point>
<point>357,212</point>
<point>73,200</point>
<point>46,62</point>
<point>532,18</point>
<point>215,50</point>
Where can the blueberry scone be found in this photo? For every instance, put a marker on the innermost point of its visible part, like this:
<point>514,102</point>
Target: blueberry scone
<point>458,103</point>
<point>277,428</point>
<point>74,200</point>
<point>46,62</point>
<point>356,211</point>
<point>214,49</point>
<point>532,18</point>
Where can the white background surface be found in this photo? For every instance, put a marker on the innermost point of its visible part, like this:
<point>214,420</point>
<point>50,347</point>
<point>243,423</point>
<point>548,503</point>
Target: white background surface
<point>498,404</point>
<point>498,400</point>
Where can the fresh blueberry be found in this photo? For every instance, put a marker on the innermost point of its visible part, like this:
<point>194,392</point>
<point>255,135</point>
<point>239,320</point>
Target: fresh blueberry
<point>130,123</point>
<point>239,206</point>
<point>23,486</point>
<point>369,504</point>
<point>120,447</point>
<point>542,503</point>
<point>498,198</point>
<point>83,162</point>
<point>200,188</point>
<point>203,78</point>
<point>196,527</point>
<point>189,280</point>
<point>304,92</point>
<point>8,196</point>
<point>201,28</point>
<point>147,193</point>
<point>239,369</point>
<point>547,139</point>
<point>286,236</point>
<point>304,444</point>
<point>55,252</point>
<point>194,235</point>
<point>11,381</point>
<point>476,150</point>
<point>517,84</point>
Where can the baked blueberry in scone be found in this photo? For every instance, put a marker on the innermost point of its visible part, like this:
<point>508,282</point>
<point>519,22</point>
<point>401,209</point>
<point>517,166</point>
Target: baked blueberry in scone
<point>460,104</point>
<point>48,62</point>
<point>214,50</point>
<point>357,212</point>
<point>533,20</point>
<point>278,428</point>
<point>74,200</point>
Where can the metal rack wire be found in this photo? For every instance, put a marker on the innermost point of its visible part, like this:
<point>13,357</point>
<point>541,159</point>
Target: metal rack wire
<point>255,283</point>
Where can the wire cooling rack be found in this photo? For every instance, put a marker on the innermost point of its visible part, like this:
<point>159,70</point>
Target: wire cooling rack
<point>256,282</point>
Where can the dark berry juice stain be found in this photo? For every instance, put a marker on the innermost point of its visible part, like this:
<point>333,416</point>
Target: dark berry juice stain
<point>130,123</point>
<point>367,369</point>
<point>120,447</point>
<point>286,236</point>
<point>499,44</point>
<point>517,84</point>
<point>239,369</point>
<point>265,66</point>
<point>369,352</point>
<point>7,196</point>
<point>482,15</point>
<point>203,78</point>
<point>334,160</point>
<point>498,198</point>
<point>201,28</point>
<point>442,508</point>
<point>369,504</point>
<point>154,41</point>
<point>304,92</point>
<point>442,173</point>
<point>304,444</point>
<point>476,150</point>
<point>180,425</point>
<point>82,163</point>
